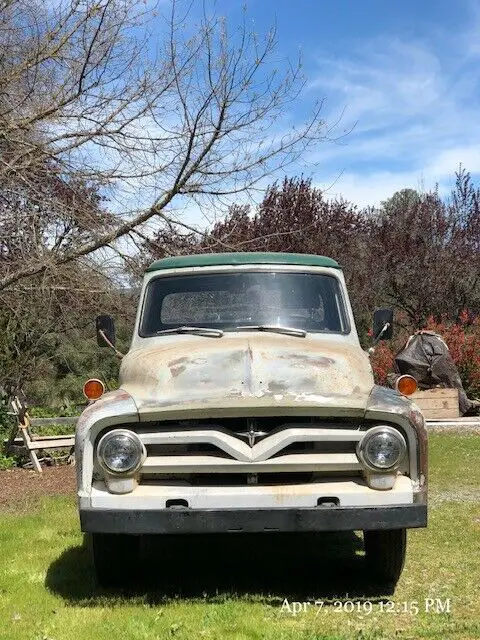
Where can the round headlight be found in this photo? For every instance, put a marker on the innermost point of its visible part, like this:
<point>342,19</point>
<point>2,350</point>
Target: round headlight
<point>382,448</point>
<point>120,451</point>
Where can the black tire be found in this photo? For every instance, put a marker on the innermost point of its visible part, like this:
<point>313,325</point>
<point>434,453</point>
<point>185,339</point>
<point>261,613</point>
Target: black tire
<point>385,554</point>
<point>115,558</point>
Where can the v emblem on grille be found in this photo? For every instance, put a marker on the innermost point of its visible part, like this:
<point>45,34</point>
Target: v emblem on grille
<point>252,434</point>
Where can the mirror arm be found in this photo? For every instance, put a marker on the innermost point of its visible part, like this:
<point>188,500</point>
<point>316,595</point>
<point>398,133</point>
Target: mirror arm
<point>379,337</point>
<point>118,353</point>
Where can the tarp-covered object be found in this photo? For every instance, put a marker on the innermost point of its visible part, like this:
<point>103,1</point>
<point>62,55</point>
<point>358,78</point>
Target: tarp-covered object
<point>426,357</point>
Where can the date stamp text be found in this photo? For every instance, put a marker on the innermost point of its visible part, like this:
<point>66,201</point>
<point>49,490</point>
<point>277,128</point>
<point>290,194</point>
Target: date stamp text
<point>366,607</point>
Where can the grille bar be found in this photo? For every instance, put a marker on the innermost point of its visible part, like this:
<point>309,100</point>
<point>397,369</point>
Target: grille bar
<point>262,450</point>
<point>213,464</point>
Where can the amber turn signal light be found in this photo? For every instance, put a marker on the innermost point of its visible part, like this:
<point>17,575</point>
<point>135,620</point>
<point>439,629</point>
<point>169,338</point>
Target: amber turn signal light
<point>93,389</point>
<point>406,385</point>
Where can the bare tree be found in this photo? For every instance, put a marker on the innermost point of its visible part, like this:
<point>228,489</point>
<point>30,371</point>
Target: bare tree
<point>91,100</point>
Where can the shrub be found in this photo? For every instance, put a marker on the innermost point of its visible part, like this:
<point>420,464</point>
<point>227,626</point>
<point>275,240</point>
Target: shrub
<point>7,462</point>
<point>66,410</point>
<point>6,422</point>
<point>382,362</point>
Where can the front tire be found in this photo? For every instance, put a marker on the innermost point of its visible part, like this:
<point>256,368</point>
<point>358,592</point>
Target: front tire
<point>385,554</point>
<point>115,558</point>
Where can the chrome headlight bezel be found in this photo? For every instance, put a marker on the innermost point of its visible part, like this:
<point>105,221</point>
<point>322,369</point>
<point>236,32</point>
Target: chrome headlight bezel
<point>374,432</point>
<point>139,446</point>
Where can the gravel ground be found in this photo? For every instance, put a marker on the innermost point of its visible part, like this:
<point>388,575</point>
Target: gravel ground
<point>21,489</point>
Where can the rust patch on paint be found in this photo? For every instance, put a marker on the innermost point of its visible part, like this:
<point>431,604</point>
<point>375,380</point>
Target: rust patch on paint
<point>177,370</point>
<point>277,386</point>
<point>177,366</point>
<point>235,356</point>
<point>177,362</point>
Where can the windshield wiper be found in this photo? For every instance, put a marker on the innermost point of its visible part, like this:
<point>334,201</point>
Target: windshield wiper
<point>204,331</point>
<point>290,331</point>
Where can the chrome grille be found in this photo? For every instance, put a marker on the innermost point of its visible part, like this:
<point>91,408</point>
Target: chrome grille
<point>211,447</point>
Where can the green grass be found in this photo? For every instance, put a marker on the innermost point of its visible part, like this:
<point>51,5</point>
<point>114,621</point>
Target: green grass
<point>234,588</point>
<point>454,461</point>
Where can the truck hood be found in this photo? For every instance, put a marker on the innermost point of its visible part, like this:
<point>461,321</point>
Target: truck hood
<point>247,374</point>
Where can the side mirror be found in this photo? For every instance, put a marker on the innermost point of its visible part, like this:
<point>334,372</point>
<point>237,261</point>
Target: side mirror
<point>382,324</point>
<point>105,331</point>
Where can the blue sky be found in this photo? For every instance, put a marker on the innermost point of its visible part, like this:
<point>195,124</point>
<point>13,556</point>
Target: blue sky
<point>404,75</point>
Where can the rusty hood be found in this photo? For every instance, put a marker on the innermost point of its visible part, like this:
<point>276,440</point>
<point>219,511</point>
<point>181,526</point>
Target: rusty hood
<point>247,374</point>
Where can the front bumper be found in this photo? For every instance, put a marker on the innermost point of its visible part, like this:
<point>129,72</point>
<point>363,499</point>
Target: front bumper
<point>183,520</point>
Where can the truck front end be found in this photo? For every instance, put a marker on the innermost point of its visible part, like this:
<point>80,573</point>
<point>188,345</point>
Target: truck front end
<point>247,405</point>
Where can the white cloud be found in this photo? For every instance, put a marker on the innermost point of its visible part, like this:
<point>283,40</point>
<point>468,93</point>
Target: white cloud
<point>387,77</point>
<point>371,189</point>
<point>468,156</point>
<point>414,108</point>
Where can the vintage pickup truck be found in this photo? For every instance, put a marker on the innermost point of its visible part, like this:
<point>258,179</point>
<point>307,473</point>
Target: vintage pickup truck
<point>246,404</point>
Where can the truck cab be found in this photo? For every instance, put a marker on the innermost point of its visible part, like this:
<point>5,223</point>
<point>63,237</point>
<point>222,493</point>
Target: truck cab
<point>246,404</point>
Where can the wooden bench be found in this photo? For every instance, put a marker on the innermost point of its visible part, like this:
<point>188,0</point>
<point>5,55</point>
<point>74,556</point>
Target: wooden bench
<point>22,435</point>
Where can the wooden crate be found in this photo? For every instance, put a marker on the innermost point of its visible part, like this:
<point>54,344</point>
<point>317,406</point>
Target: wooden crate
<point>437,403</point>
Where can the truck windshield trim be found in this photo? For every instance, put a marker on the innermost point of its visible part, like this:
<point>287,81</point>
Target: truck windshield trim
<point>223,301</point>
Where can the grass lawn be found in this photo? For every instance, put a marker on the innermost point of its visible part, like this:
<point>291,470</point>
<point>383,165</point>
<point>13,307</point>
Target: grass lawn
<point>239,587</point>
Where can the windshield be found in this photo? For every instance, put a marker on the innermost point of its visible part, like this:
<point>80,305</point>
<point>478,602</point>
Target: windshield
<point>226,301</point>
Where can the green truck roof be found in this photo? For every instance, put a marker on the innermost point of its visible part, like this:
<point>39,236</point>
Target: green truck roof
<point>215,259</point>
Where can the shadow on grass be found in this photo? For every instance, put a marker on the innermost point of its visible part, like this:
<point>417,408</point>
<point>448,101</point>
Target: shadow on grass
<point>214,567</point>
